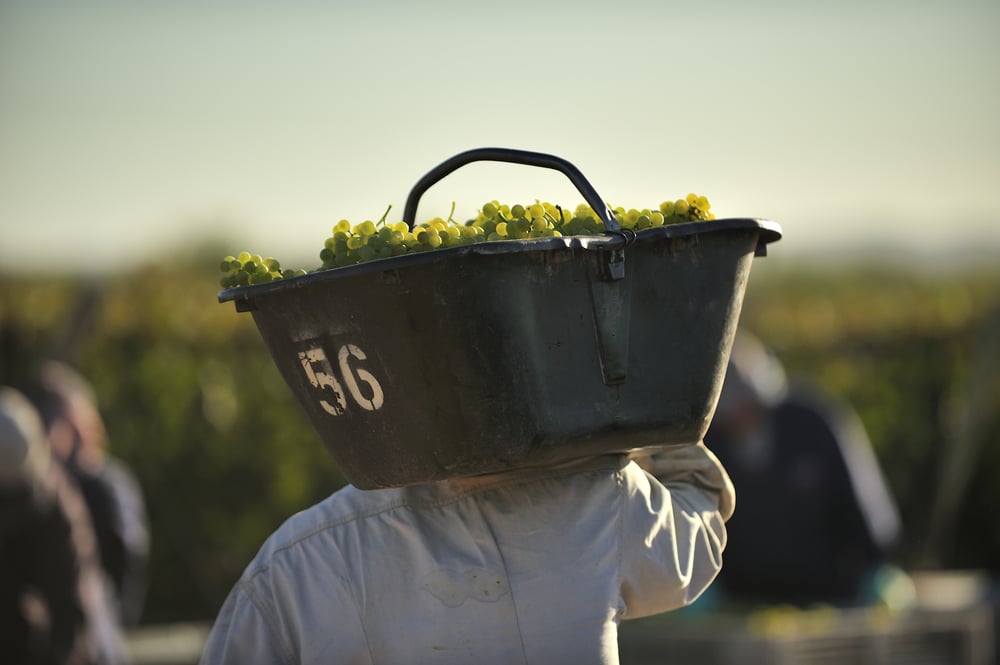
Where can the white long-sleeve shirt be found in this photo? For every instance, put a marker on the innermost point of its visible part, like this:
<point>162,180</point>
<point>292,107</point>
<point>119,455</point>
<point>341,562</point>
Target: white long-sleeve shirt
<point>530,566</point>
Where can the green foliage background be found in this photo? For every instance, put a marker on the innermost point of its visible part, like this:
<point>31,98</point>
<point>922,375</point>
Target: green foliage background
<point>195,406</point>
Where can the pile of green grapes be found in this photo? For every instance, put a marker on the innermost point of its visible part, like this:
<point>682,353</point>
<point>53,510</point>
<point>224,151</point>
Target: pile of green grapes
<point>356,243</point>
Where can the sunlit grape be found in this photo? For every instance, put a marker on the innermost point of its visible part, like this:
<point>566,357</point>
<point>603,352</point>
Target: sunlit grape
<point>350,244</point>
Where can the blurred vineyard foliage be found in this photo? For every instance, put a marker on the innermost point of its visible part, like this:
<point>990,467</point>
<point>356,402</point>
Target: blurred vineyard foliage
<point>194,404</point>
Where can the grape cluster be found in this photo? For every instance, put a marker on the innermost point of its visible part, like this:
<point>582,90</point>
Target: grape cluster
<point>247,268</point>
<point>693,208</point>
<point>349,244</point>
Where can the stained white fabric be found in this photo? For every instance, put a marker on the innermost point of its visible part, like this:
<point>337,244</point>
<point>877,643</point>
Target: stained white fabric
<point>531,566</point>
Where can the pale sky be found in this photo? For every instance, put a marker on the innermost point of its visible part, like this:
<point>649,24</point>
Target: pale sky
<point>134,129</point>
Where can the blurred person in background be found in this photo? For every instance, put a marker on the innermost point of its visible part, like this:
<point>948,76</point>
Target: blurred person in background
<point>54,607</point>
<point>815,523</point>
<point>75,429</point>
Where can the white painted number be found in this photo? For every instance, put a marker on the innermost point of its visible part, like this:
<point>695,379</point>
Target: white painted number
<point>323,379</point>
<point>320,373</point>
<point>375,402</point>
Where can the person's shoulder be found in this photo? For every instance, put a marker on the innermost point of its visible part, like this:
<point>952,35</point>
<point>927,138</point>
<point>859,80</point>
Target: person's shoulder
<point>808,407</point>
<point>805,398</point>
<point>118,470</point>
<point>805,395</point>
<point>321,521</point>
<point>344,506</point>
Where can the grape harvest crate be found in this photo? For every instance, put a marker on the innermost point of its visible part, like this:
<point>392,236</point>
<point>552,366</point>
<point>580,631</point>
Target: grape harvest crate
<point>503,354</point>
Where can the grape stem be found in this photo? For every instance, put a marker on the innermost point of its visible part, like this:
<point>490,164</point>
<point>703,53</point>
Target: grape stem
<point>381,222</point>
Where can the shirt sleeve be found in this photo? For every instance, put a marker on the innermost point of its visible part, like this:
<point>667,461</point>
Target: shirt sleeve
<point>242,633</point>
<point>292,606</point>
<point>674,529</point>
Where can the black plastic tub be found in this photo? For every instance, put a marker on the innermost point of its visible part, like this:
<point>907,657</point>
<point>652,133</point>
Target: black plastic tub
<point>506,354</point>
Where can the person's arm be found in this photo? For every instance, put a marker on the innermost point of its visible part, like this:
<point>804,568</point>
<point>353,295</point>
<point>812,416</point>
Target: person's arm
<point>51,571</point>
<point>244,632</point>
<point>292,607</point>
<point>674,529</point>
